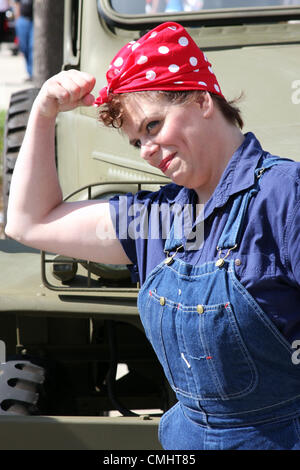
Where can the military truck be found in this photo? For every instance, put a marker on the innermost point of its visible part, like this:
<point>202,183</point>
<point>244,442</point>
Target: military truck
<point>77,371</point>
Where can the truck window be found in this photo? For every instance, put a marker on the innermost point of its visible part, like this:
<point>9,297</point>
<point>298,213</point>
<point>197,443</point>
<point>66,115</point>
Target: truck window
<point>138,7</point>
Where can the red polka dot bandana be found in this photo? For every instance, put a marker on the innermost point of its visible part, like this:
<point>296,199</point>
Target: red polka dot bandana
<point>166,58</point>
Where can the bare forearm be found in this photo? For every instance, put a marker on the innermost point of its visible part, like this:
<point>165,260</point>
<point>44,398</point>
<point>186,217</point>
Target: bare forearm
<point>35,188</point>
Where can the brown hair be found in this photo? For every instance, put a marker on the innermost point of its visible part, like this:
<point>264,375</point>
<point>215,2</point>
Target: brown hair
<point>111,114</point>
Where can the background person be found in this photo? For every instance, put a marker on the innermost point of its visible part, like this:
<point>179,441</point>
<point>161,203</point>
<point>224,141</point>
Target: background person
<point>4,6</point>
<point>23,10</point>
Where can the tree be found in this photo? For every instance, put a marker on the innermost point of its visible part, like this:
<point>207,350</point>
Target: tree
<point>48,39</point>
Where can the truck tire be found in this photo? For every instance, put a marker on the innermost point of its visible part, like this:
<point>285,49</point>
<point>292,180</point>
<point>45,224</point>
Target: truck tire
<point>15,126</point>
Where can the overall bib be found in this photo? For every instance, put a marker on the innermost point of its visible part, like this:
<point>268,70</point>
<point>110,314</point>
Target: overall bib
<point>230,367</point>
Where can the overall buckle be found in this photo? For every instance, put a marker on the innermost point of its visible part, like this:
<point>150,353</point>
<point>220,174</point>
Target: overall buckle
<point>220,262</point>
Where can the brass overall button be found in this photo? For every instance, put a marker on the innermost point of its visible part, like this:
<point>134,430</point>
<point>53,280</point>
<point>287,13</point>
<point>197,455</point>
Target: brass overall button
<point>162,301</point>
<point>200,308</point>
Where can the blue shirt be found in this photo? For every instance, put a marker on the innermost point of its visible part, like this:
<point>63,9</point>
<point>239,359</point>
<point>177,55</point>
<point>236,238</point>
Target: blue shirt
<point>268,255</point>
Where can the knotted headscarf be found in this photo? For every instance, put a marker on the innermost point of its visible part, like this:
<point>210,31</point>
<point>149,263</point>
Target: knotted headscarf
<point>166,58</point>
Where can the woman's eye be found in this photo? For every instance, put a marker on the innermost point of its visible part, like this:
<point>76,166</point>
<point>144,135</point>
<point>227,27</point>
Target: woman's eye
<point>151,125</point>
<point>149,128</point>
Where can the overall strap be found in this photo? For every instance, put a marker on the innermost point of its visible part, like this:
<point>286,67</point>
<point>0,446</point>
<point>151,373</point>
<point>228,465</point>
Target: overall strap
<point>231,233</point>
<point>173,244</point>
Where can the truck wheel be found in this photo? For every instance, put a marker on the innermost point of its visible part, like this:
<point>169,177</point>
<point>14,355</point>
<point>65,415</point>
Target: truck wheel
<point>15,126</point>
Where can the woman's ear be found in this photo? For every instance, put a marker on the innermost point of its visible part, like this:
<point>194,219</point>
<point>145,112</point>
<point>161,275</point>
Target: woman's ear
<point>206,104</point>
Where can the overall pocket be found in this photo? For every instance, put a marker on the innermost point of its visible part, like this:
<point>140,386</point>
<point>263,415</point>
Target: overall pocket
<point>200,348</point>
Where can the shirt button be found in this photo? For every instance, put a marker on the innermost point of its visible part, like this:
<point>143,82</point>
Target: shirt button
<point>162,301</point>
<point>238,262</point>
<point>200,308</point>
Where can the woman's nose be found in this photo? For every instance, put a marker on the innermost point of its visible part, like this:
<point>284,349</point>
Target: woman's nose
<point>148,151</point>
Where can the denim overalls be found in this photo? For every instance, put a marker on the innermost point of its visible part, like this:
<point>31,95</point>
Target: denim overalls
<point>231,369</point>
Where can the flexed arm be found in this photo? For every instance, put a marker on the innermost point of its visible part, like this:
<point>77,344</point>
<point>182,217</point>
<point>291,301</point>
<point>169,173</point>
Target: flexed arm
<point>37,215</point>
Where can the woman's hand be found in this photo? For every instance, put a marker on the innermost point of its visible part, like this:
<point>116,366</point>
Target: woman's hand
<point>65,91</point>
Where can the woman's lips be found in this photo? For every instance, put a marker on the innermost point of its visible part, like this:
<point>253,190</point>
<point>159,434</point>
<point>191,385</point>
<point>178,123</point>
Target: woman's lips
<point>165,163</point>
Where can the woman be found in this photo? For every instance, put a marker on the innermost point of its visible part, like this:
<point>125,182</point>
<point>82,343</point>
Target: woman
<point>219,265</point>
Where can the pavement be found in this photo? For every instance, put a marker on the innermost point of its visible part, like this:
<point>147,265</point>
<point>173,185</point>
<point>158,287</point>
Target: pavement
<point>12,74</point>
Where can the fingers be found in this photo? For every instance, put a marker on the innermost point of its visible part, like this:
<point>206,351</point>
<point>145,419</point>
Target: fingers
<point>74,86</point>
<point>65,91</point>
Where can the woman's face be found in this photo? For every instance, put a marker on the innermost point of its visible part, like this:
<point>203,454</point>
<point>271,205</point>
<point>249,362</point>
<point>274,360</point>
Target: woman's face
<point>176,138</point>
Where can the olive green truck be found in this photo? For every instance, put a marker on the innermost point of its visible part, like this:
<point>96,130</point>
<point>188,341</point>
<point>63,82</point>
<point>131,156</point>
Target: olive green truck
<point>76,369</point>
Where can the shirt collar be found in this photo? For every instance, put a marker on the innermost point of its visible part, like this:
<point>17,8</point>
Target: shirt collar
<point>237,176</point>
